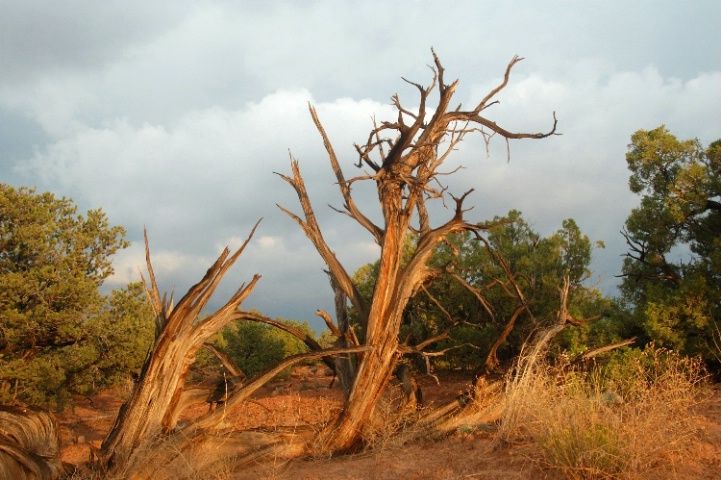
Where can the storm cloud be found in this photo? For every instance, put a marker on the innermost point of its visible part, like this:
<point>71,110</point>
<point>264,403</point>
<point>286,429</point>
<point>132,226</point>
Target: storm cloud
<point>174,116</point>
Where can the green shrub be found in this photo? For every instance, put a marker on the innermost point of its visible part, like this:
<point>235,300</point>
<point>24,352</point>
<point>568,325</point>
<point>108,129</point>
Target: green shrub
<point>255,347</point>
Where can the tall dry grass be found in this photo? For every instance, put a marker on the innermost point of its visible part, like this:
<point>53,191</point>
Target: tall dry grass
<point>608,423</point>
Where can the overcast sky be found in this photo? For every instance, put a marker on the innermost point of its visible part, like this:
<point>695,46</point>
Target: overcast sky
<point>174,115</point>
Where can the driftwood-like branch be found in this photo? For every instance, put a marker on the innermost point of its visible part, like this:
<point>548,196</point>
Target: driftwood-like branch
<point>349,336</point>
<point>593,352</point>
<point>344,186</point>
<point>312,230</point>
<point>155,403</point>
<point>245,391</point>
<point>227,362</point>
<point>543,337</point>
<point>492,358</point>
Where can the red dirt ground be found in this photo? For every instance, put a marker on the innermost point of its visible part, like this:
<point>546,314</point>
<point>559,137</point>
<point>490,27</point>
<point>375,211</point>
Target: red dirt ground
<point>306,399</point>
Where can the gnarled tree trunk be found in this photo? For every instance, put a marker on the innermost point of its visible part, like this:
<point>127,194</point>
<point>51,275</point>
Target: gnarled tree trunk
<point>153,407</point>
<point>146,442</point>
<point>405,171</point>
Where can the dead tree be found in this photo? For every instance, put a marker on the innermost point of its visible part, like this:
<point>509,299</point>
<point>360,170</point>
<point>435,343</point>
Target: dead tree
<point>146,441</point>
<point>154,405</point>
<point>404,158</point>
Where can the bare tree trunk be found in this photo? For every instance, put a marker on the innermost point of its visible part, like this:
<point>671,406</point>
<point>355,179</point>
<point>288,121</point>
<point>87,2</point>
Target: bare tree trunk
<point>146,442</point>
<point>346,366</point>
<point>406,177</point>
<point>155,403</point>
<point>202,446</point>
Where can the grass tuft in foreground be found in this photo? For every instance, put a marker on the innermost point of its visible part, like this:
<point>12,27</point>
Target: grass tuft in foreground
<point>613,422</point>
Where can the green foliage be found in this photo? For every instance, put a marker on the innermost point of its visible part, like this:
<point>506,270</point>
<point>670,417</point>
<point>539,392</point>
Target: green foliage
<point>672,273</point>
<point>250,345</point>
<point>537,265</point>
<point>58,334</point>
<point>255,346</point>
<point>113,346</point>
<point>122,337</point>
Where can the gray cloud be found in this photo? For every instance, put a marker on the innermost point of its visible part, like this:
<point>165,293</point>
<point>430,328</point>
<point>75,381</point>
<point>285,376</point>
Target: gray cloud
<point>39,37</point>
<point>174,116</point>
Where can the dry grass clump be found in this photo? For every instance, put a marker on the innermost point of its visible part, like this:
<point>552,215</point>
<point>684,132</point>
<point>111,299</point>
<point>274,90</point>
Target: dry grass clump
<point>612,422</point>
<point>385,424</point>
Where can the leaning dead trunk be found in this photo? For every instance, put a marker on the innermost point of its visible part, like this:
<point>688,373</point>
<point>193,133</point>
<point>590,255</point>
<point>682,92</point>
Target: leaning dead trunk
<point>204,447</point>
<point>154,405</point>
<point>147,443</point>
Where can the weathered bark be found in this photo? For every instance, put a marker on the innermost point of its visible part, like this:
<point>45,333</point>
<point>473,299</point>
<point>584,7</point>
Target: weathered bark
<point>204,445</point>
<point>146,441</point>
<point>412,395</point>
<point>406,177</point>
<point>29,444</point>
<point>345,367</point>
<point>155,402</point>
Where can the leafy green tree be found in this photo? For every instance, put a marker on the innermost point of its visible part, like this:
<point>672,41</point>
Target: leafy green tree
<point>256,346</point>
<point>470,305</point>
<point>672,272</point>
<point>52,263</point>
<point>118,341</point>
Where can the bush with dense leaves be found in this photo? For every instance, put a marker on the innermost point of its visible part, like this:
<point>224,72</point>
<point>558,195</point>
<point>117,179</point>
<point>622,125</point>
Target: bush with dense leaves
<point>256,347</point>
<point>58,333</point>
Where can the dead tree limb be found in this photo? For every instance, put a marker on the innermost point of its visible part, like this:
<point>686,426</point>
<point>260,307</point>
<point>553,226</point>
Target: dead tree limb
<point>227,362</point>
<point>594,352</point>
<point>148,421</point>
<point>154,405</point>
<point>405,171</point>
<point>204,446</point>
